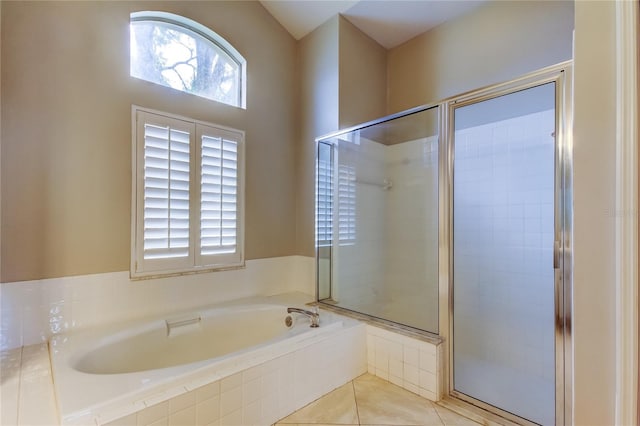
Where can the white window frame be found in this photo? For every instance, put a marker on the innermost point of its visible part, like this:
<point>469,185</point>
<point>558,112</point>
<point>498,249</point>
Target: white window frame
<point>195,261</point>
<point>195,29</point>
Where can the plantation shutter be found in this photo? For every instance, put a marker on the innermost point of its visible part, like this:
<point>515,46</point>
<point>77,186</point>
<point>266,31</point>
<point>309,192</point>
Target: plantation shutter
<point>346,204</point>
<point>219,195</point>
<point>166,192</point>
<point>188,196</point>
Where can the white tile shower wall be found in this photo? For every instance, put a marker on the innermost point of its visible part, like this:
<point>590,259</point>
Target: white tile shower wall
<point>358,262</point>
<point>411,233</point>
<point>390,268</point>
<point>412,364</point>
<point>32,311</point>
<point>504,222</point>
<point>263,394</point>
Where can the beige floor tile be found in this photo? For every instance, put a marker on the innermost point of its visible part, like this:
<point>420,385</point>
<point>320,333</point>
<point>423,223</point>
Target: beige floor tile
<point>449,418</point>
<point>382,403</point>
<point>337,407</point>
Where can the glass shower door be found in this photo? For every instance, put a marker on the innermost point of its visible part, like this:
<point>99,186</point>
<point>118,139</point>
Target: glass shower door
<point>503,239</point>
<point>377,219</point>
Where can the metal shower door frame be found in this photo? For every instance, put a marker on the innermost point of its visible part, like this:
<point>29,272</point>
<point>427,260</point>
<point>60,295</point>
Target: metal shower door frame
<point>561,75</point>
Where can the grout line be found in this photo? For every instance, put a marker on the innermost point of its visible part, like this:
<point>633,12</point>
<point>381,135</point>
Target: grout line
<point>437,413</point>
<point>355,398</point>
<point>19,386</point>
<point>53,384</point>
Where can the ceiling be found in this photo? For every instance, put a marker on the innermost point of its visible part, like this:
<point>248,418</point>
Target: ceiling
<point>389,22</point>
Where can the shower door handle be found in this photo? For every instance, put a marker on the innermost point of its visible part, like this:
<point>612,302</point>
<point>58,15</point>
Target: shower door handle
<point>556,254</point>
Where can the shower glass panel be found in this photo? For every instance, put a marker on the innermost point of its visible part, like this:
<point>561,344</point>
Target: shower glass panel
<point>377,219</point>
<point>503,240</point>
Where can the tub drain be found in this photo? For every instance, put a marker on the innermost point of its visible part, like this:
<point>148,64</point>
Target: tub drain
<point>288,321</point>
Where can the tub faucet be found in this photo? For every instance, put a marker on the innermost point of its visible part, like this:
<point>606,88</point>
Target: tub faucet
<point>313,316</point>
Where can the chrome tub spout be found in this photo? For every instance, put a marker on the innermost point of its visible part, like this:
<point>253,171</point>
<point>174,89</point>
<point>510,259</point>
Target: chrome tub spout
<point>313,316</point>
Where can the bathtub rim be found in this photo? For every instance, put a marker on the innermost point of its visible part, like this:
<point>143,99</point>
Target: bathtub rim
<point>93,341</point>
<point>163,384</point>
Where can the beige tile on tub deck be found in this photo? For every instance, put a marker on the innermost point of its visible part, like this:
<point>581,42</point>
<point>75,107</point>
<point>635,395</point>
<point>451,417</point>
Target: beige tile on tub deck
<point>383,403</point>
<point>36,387</point>
<point>10,361</point>
<point>336,407</point>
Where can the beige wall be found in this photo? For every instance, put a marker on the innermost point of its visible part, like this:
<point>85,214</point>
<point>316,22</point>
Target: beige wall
<point>594,221</point>
<point>0,142</point>
<point>66,131</point>
<point>496,42</point>
<point>65,135</point>
<point>342,83</point>
<point>318,54</point>
<point>363,76</point>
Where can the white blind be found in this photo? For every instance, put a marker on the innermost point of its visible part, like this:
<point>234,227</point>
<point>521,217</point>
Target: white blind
<point>188,193</point>
<point>324,196</point>
<point>166,192</point>
<point>219,196</point>
<point>346,203</point>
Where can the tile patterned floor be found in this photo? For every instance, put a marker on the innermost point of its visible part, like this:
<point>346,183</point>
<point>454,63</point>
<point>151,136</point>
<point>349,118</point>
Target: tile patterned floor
<point>371,401</point>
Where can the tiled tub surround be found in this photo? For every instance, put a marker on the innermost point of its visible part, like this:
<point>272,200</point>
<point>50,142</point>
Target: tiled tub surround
<point>26,387</point>
<point>262,394</point>
<point>206,401</point>
<point>411,363</point>
<point>33,311</point>
<point>304,366</point>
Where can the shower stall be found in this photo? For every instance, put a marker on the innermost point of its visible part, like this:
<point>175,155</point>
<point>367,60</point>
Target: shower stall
<point>377,220</point>
<point>454,219</point>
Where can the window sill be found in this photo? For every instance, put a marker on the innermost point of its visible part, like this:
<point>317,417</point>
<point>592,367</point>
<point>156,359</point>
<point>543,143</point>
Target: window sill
<point>139,276</point>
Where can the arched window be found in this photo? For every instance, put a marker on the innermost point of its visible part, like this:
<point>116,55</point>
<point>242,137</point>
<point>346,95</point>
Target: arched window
<point>177,52</point>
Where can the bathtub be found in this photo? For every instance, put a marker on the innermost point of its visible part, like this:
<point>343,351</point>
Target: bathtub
<point>117,371</point>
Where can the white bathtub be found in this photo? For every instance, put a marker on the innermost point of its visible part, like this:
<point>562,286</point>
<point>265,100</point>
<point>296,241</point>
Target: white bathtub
<point>110,373</point>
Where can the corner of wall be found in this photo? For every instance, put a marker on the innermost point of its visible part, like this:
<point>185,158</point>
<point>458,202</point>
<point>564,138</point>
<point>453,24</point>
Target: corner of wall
<point>594,377</point>
<point>362,78</point>
<point>318,73</point>
<point>1,38</point>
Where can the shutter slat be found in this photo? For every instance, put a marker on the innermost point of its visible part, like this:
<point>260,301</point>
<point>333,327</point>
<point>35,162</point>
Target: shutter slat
<point>219,200</point>
<point>166,192</point>
<point>324,197</point>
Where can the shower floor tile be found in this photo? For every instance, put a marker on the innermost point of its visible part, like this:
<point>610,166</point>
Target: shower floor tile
<point>369,401</point>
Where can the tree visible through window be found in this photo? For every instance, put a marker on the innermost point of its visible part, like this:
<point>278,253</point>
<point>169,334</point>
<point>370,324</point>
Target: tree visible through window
<point>179,53</point>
